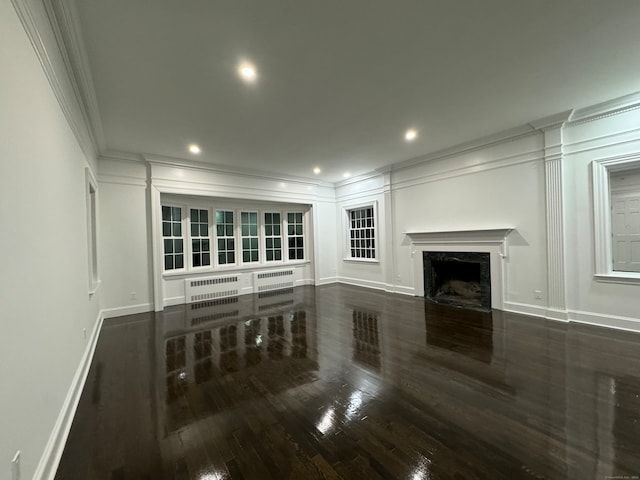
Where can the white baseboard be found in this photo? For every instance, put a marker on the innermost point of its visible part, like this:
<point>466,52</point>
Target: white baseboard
<point>401,290</point>
<point>326,281</point>
<point>611,321</point>
<point>358,282</point>
<point>50,458</point>
<point>525,309</point>
<point>128,310</point>
<point>169,302</point>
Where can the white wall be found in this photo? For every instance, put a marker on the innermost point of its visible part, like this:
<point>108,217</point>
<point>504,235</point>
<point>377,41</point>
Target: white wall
<point>44,283</point>
<point>124,238</point>
<point>590,300</point>
<point>130,191</point>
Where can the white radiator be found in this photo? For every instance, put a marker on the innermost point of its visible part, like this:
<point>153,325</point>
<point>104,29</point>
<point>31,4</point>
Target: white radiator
<point>198,290</point>
<point>276,279</point>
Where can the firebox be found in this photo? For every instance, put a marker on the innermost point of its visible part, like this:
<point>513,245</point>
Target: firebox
<point>462,279</point>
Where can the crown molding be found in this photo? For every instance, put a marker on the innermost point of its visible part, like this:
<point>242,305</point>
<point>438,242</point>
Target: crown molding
<point>66,27</point>
<point>154,159</point>
<point>41,32</point>
<point>605,109</point>
<point>556,120</point>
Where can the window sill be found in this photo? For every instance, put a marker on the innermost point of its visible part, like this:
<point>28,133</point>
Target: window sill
<point>361,260</point>
<point>630,278</point>
<point>238,268</point>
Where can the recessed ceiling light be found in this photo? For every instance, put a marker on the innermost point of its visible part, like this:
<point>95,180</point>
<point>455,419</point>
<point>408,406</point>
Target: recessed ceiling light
<point>410,135</point>
<point>193,148</point>
<point>317,170</point>
<point>346,174</point>
<point>247,72</point>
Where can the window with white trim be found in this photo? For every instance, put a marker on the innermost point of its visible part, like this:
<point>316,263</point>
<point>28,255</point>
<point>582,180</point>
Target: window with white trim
<point>172,236</point>
<point>250,239</point>
<point>616,202</point>
<point>361,233</point>
<point>200,242</point>
<point>200,236</point>
<point>295,235</point>
<point>225,237</point>
<point>272,236</point>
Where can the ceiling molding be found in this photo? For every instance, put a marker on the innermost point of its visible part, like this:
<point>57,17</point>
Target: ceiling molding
<point>609,108</point>
<point>66,27</point>
<point>154,159</point>
<point>51,55</point>
<point>552,121</point>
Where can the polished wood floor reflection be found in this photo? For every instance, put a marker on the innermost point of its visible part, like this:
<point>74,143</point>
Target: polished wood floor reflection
<point>344,382</point>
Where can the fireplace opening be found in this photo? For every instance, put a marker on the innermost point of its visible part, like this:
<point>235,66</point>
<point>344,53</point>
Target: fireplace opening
<point>461,279</point>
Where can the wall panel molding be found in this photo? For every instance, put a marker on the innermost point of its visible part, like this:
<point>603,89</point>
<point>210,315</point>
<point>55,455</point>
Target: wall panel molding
<point>48,464</point>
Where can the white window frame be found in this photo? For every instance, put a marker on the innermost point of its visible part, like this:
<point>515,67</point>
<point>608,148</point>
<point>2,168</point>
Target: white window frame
<point>265,237</point>
<point>347,228</point>
<point>285,228</point>
<point>91,189</point>
<point>191,238</point>
<point>186,248</point>
<point>258,236</point>
<point>236,218</point>
<point>601,169</point>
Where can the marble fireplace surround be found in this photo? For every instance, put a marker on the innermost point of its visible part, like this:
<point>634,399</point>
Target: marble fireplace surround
<point>491,240</point>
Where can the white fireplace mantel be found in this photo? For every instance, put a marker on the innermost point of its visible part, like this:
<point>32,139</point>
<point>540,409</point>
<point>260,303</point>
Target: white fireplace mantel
<point>490,240</point>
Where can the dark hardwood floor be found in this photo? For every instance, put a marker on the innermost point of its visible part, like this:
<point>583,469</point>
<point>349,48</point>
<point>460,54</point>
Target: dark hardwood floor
<point>344,382</point>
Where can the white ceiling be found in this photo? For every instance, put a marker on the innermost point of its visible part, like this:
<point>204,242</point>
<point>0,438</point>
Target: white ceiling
<point>340,81</point>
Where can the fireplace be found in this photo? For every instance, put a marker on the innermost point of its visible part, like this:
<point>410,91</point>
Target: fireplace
<point>462,279</point>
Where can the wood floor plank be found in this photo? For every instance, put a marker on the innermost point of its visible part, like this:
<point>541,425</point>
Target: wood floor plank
<point>342,382</point>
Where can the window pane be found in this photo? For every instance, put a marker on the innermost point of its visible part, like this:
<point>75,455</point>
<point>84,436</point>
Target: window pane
<point>276,229</point>
<point>291,229</point>
<point>221,244</point>
<point>298,229</point>
<point>179,261</point>
<point>205,245</point>
<point>245,244</point>
<point>268,230</point>
<point>232,257</point>
<point>245,230</point>
<point>168,262</point>
<point>194,230</point>
<point>219,217</point>
<point>168,246</point>
<point>292,253</point>
<point>176,214</point>
<point>269,242</point>
<point>253,230</point>
<point>276,218</point>
<point>166,213</point>
<point>245,256</point>
<point>222,258</point>
<point>204,230</point>
<point>290,217</point>
<point>254,243</point>
<point>177,229</point>
<point>166,229</point>
<point>194,215</point>
<point>254,256</point>
<point>220,230</point>
<point>269,255</point>
<point>196,259</point>
<point>278,255</point>
<point>228,217</point>
<point>231,244</point>
<point>277,243</point>
<point>298,218</point>
<point>206,259</point>
<point>229,231</point>
<point>195,246</point>
<point>204,216</point>
<point>177,246</point>
<point>244,217</point>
